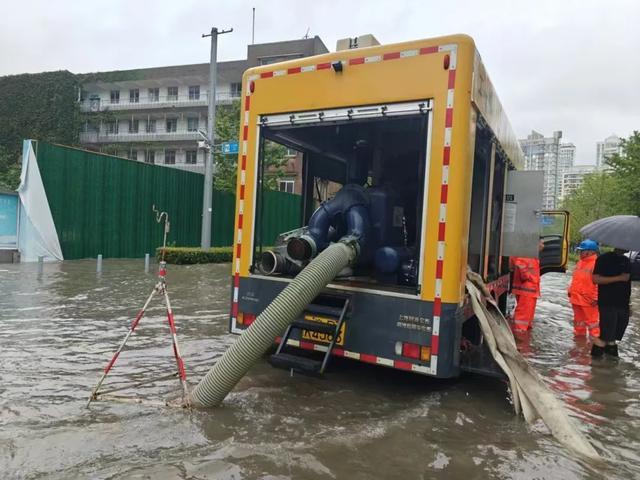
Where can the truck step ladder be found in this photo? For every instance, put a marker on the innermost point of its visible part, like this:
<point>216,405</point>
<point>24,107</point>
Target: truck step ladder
<point>325,306</point>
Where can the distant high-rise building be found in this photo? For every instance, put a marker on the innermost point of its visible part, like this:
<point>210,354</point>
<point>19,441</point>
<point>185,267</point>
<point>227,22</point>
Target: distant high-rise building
<point>573,178</point>
<point>553,158</point>
<point>611,145</point>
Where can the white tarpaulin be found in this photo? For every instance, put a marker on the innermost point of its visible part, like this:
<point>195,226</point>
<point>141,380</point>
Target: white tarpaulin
<point>38,236</point>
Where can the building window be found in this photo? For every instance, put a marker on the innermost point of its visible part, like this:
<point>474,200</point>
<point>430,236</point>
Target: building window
<point>192,157</point>
<point>112,127</point>
<point>169,157</point>
<point>172,93</point>
<point>291,152</point>
<point>151,126</point>
<point>115,96</point>
<point>149,156</point>
<point>287,186</point>
<point>194,92</point>
<point>132,155</point>
<point>236,89</point>
<point>134,95</point>
<point>172,125</point>
<point>192,124</point>
<point>133,126</point>
<point>154,95</point>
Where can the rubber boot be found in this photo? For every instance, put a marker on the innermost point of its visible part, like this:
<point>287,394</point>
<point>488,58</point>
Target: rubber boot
<point>597,351</point>
<point>611,350</point>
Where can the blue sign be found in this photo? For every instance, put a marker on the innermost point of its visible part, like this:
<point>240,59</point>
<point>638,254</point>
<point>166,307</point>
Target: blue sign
<point>8,221</point>
<point>229,148</point>
<point>547,220</point>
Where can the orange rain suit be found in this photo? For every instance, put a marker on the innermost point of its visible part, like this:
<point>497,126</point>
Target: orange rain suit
<point>526,288</point>
<point>583,295</point>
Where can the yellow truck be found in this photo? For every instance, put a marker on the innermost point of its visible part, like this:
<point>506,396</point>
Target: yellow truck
<point>406,147</point>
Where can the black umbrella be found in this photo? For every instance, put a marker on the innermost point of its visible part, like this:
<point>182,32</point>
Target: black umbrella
<point>619,231</point>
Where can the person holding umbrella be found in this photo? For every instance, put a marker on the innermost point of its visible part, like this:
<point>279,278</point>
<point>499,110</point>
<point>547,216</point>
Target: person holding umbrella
<point>583,293</point>
<point>612,274</point>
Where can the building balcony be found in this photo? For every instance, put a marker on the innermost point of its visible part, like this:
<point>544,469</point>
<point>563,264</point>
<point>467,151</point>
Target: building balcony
<point>103,137</point>
<point>147,103</point>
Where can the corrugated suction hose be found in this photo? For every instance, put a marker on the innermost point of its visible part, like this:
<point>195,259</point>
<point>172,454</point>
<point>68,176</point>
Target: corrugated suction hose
<point>272,322</point>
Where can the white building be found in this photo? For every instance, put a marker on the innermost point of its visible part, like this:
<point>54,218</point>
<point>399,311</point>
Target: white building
<point>611,145</point>
<point>153,114</point>
<point>553,158</point>
<point>573,178</point>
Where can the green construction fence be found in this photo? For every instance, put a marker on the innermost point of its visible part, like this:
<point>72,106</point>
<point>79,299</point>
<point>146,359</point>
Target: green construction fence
<point>101,204</point>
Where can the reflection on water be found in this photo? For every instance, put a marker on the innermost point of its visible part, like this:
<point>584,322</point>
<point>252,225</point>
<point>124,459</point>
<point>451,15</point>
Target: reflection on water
<point>59,329</point>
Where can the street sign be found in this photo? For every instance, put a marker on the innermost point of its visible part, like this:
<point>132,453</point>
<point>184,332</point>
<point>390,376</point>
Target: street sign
<point>229,148</point>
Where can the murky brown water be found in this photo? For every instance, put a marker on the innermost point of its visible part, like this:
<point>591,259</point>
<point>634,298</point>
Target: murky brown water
<point>57,332</point>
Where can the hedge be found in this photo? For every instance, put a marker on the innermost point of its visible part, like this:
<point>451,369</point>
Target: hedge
<point>191,255</point>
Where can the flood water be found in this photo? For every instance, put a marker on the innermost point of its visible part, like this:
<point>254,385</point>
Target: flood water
<point>59,329</point>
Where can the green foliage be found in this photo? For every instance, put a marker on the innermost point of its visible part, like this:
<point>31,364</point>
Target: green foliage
<point>40,106</point>
<point>228,129</point>
<point>612,192</point>
<point>191,255</point>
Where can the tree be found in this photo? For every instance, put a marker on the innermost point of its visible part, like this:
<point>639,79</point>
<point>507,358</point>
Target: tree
<point>626,169</point>
<point>227,130</point>
<point>611,192</point>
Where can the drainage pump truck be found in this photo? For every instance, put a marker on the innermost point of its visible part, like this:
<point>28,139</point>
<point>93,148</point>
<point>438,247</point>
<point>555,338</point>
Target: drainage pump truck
<point>405,148</point>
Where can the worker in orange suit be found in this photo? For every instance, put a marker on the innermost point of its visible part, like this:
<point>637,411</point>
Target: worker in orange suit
<point>526,288</point>
<point>583,293</point>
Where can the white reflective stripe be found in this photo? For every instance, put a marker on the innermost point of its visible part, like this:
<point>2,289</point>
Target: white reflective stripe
<point>372,59</point>
<point>408,53</point>
<point>435,328</point>
<point>354,355</point>
<point>420,369</point>
<point>384,361</point>
<point>440,251</point>
<point>447,137</point>
<point>254,77</point>
<point>241,207</point>
<point>293,343</point>
<point>450,98</point>
<point>443,212</point>
<point>438,289</point>
<point>237,265</point>
<point>308,68</point>
<point>235,294</point>
<point>447,47</point>
<point>234,326</point>
<point>445,174</point>
<point>434,365</point>
<point>320,348</point>
<point>453,59</point>
<point>246,117</point>
<point>279,73</point>
<point>243,177</point>
<point>239,236</point>
<point>244,147</point>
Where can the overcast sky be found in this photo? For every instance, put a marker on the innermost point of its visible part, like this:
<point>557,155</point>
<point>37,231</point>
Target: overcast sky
<point>556,65</point>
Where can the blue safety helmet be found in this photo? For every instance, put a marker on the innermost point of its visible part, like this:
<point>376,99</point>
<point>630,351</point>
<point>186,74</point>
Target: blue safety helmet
<point>587,244</point>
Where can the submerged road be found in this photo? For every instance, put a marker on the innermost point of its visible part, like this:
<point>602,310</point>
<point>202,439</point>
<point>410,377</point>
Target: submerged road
<point>59,329</point>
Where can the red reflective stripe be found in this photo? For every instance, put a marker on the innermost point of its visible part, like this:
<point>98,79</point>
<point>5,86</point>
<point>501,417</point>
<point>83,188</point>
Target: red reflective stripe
<point>444,193</point>
<point>266,75</point>
<point>452,79</point>
<point>247,102</point>
<point>183,373</point>
<point>365,357</point>
<point>402,365</point>
<point>240,220</point>
<point>234,309</point>
<point>244,162</point>
<point>439,268</point>
<point>245,132</point>
<point>339,352</point>
<point>293,70</point>
<point>172,325</point>
<point>446,155</point>
<point>437,307</point>
<point>441,231</point>
<point>323,66</point>
<point>307,345</point>
<point>435,344</point>
<point>134,324</point>
<point>448,122</point>
<point>428,50</point>
<point>242,192</point>
<point>356,61</point>
<point>238,250</point>
<point>391,56</point>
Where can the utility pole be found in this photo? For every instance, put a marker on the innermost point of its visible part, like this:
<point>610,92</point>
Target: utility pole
<point>207,207</point>
<point>253,27</point>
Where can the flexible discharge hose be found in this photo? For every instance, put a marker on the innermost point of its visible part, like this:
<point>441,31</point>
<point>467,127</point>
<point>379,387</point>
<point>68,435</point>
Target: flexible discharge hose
<point>272,322</point>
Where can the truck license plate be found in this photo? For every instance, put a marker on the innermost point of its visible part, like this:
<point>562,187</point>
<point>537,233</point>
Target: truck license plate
<point>323,337</point>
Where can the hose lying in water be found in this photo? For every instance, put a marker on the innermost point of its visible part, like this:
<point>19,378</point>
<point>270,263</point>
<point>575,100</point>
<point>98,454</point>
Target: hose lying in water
<point>272,322</point>
<point>529,392</point>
